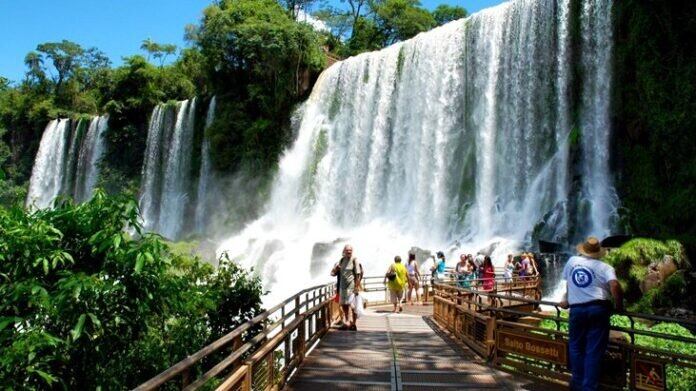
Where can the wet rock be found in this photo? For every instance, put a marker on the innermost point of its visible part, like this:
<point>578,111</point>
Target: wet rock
<point>667,267</point>
<point>651,281</point>
<point>488,250</point>
<point>421,254</point>
<point>658,272</point>
<point>322,253</point>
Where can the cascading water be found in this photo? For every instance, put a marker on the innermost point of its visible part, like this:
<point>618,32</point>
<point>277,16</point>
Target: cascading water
<point>205,179</point>
<point>457,138</point>
<point>67,162</point>
<point>48,171</point>
<point>166,178</point>
<point>599,197</point>
<point>91,153</point>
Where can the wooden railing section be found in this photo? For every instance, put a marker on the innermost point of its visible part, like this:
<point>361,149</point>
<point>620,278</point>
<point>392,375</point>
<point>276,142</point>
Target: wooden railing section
<point>263,352</point>
<point>509,337</point>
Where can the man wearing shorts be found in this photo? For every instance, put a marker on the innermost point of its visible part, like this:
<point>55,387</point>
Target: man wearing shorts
<point>350,275</point>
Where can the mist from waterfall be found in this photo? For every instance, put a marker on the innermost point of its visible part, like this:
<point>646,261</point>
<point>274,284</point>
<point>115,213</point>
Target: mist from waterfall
<point>67,162</point>
<point>458,139</point>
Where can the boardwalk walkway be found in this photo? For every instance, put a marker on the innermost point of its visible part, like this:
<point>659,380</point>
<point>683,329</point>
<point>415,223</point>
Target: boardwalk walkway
<point>404,351</point>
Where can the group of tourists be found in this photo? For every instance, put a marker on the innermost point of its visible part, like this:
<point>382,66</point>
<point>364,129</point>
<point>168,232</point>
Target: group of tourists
<point>590,287</point>
<point>472,270</point>
<point>479,271</point>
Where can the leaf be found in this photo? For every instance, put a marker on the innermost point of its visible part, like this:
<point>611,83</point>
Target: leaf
<point>95,321</point>
<point>8,320</point>
<point>48,378</point>
<point>77,331</point>
<point>139,263</point>
<point>117,241</point>
<point>45,266</point>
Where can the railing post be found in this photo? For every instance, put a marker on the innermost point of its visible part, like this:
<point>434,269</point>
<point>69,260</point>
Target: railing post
<point>301,342</point>
<point>490,336</point>
<point>185,378</point>
<point>286,352</point>
<point>271,369</point>
<point>282,316</point>
<point>247,378</point>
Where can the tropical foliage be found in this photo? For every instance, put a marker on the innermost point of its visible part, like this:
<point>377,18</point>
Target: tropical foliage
<point>87,300</point>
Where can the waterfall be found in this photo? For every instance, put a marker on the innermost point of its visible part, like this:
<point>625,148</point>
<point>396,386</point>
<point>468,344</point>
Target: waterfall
<point>205,175</point>
<point>48,172</point>
<point>457,139</point>
<point>166,175</point>
<point>598,195</point>
<point>91,152</point>
<point>67,162</point>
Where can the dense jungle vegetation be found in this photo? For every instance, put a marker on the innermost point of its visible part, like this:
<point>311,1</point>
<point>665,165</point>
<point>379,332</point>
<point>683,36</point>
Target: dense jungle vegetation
<point>655,117</point>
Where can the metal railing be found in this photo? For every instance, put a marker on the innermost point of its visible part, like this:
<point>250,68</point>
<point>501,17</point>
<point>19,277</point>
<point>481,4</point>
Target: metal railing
<point>263,352</point>
<point>512,338</point>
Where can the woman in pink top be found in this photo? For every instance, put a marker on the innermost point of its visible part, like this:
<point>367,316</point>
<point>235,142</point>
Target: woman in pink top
<point>488,274</point>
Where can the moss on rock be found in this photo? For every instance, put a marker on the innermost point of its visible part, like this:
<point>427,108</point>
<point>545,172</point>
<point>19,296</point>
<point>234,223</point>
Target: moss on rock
<point>639,258</point>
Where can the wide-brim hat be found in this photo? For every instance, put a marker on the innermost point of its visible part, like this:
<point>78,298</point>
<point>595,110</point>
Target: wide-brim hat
<point>591,248</point>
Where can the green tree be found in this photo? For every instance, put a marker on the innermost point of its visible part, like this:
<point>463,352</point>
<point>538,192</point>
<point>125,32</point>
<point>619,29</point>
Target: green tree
<point>401,19</point>
<point>258,59</point>
<point>4,84</point>
<point>66,57</point>
<point>34,64</point>
<point>157,50</point>
<point>445,13</point>
<point>150,47</point>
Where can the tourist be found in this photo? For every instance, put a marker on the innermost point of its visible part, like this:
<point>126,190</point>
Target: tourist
<point>350,274</point>
<point>471,271</point>
<point>508,269</point>
<point>524,267</point>
<point>413,278</point>
<point>462,272</point>
<point>438,269</point>
<point>396,279</point>
<point>590,285</point>
<point>488,274</point>
<point>479,261</point>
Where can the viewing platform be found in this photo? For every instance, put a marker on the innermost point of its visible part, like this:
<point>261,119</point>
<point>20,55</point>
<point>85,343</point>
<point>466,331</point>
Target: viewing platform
<point>405,351</point>
<point>460,338</point>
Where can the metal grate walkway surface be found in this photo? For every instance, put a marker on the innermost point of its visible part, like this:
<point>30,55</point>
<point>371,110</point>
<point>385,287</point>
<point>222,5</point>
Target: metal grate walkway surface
<point>397,352</point>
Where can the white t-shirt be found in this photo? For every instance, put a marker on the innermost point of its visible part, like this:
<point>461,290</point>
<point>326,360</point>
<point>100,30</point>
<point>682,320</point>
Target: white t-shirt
<point>588,279</point>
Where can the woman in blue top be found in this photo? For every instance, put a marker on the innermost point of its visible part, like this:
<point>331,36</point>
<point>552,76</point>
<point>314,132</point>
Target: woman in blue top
<point>439,268</point>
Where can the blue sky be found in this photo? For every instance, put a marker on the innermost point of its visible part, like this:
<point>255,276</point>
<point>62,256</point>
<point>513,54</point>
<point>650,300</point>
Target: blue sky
<point>116,27</point>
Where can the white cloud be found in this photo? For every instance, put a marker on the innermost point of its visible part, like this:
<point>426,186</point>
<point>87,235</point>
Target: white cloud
<point>317,24</point>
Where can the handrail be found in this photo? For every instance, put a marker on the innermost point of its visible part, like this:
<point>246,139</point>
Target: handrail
<point>492,294</point>
<point>182,368</point>
<point>481,328</point>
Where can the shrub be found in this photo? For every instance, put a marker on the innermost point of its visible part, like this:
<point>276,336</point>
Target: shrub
<point>88,300</point>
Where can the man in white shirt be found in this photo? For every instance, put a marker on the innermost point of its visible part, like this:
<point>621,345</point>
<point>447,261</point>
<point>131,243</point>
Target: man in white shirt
<point>590,284</point>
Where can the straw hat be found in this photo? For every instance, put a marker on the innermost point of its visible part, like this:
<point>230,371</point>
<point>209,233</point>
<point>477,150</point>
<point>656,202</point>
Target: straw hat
<point>591,248</point>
